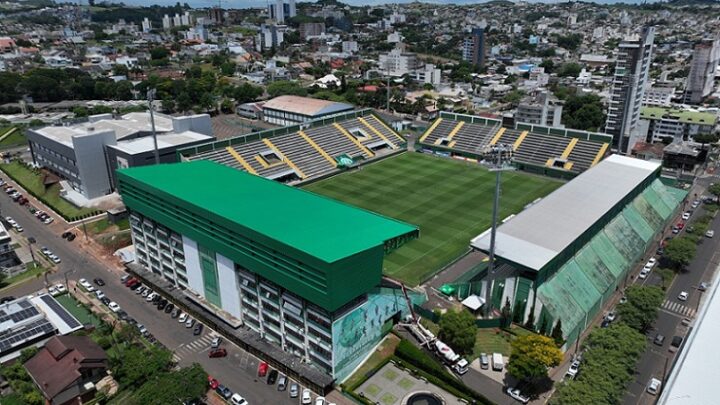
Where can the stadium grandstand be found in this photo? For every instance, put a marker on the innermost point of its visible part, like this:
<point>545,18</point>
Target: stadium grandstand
<point>551,151</point>
<point>308,151</point>
<point>564,256</point>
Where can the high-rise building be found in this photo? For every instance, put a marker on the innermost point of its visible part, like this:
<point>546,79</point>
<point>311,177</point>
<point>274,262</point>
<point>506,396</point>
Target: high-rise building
<point>280,10</point>
<point>311,29</point>
<point>146,25</point>
<point>701,78</point>
<point>167,22</point>
<point>216,15</point>
<point>631,75</point>
<point>270,36</point>
<point>474,47</point>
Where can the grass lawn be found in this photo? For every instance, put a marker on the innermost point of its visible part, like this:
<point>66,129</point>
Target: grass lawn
<point>451,202</point>
<point>77,310</point>
<point>32,273</point>
<point>489,341</point>
<point>17,138</point>
<point>32,181</point>
<point>385,350</point>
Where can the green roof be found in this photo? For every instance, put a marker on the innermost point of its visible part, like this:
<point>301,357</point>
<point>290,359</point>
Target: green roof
<point>321,227</point>
<point>684,116</point>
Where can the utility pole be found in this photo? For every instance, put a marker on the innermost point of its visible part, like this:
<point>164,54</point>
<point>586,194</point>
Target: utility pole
<point>150,97</point>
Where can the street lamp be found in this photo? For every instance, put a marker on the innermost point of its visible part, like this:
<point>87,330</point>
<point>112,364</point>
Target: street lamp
<point>498,158</point>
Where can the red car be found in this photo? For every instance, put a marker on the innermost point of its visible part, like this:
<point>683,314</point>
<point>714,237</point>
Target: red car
<point>219,352</point>
<point>213,382</point>
<point>680,225</point>
<point>262,369</point>
<point>131,282</point>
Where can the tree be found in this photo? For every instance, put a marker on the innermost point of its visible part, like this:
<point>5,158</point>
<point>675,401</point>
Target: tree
<point>159,53</point>
<point>680,251</point>
<point>548,64</point>
<point>246,93</point>
<point>137,365</point>
<point>706,138</point>
<point>173,387</point>
<point>557,333</point>
<point>184,102</point>
<point>120,70</point>
<point>168,104</point>
<point>458,330</point>
<point>506,314</point>
<point>583,112</point>
<point>285,87</point>
<point>640,310</point>
<point>531,356</point>
<point>569,70</point>
<point>715,190</point>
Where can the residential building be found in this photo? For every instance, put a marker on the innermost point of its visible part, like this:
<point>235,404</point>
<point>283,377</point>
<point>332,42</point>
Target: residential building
<point>67,369</point>
<point>302,271</point>
<point>186,19</point>
<point>280,10</point>
<point>701,79</point>
<point>631,75</point>
<point>80,153</point>
<point>166,22</point>
<point>397,62</point>
<point>177,20</point>
<point>146,25</point>
<point>541,108</point>
<point>658,96</point>
<point>429,74</point>
<point>474,47</point>
<point>7,45</point>
<point>680,125</point>
<point>291,110</point>
<point>30,322</point>
<point>217,15</point>
<point>350,47</point>
<point>270,36</point>
<point>312,29</point>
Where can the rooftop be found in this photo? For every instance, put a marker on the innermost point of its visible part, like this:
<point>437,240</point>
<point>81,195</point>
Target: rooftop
<point>306,106</point>
<point>684,116</point>
<point>319,226</point>
<point>126,125</point>
<point>146,144</point>
<point>538,234</point>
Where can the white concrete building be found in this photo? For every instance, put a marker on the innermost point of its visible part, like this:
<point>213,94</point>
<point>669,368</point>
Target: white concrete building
<point>397,62</point>
<point>701,79</point>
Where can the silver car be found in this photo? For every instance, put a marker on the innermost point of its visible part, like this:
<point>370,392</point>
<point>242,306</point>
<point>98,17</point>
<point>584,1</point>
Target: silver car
<point>294,390</point>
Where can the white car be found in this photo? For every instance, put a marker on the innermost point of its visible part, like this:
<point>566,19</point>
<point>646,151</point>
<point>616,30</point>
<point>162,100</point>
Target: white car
<point>114,306</point>
<point>683,296</point>
<point>695,203</point>
<point>306,398</point>
<point>54,258</point>
<point>183,318</point>
<point>99,294</point>
<point>150,297</point>
<point>236,399</point>
<point>60,288</point>
<point>87,286</point>
<point>644,273</point>
<point>517,395</point>
<point>710,233</point>
<point>686,216</point>
<point>573,370</point>
<point>320,401</point>
<point>18,228</point>
<point>10,220</point>
<point>653,386</point>
<point>52,291</point>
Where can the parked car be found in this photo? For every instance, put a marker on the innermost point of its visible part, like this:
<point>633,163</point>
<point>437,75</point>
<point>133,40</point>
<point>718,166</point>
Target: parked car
<point>60,288</point>
<point>189,323</point>
<point>484,361</point>
<point>262,369</point>
<point>320,401</point>
<point>683,296</point>
<point>653,386</point>
<point>70,237</point>
<point>99,281</point>
<point>176,313</point>
<point>704,286</point>
<point>282,382</point>
<point>105,300</point>
<point>114,306</point>
<point>272,377</point>
<point>183,318</point>
<point>294,390</point>
<point>99,294</point>
<point>151,296</point>
<point>306,397</point>
<point>710,233</point>
<point>686,216</point>
<point>161,305</point>
<point>675,343</point>
<point>659,339</point>
<point>213,383</point>
<point>169,308</point>
<point>87,286</point>
<point>198,329</point>
<point>124,278</point>
<point>611,316</point>
<point>236,399</point>
<point>219,352</point>
<point>517,395</point>
<point>224,391</point>
<point>573,370</point>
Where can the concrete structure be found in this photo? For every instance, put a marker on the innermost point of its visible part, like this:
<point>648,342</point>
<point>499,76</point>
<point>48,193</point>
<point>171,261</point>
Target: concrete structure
<point>350,47</point>
<point>79,153</point>
<point>311,29</point>
<point>146,25</point>
<point>67,369</point>
<point>280,10</point>
<point>542,109</point>
<point>680,125</point>
<point>30,322</point>
<point>290,110</point>
<point>166,22</point>
<point>701,79</point>
<point>565,256</point>
<point>429,75</point>
<point>302,271</point>
<point>474,47</point>
<point>631,75</point>
<point>658,96</point>
<point>270,36</point>
<point>397,62</point>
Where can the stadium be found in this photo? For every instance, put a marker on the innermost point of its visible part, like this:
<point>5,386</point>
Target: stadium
<point>315,256</point>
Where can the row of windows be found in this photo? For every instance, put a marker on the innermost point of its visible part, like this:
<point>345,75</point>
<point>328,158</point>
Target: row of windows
<point>49,152</point>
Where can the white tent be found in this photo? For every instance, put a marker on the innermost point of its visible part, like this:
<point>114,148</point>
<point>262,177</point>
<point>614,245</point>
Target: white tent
<point>474,302</point>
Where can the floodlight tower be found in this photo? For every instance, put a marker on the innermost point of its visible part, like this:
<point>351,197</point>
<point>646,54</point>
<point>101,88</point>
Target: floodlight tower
<point>499,158</point>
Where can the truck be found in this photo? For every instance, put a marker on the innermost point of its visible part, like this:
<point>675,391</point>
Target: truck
<point>452,359</point>
<point>497,362</point>
<point>461,367</point>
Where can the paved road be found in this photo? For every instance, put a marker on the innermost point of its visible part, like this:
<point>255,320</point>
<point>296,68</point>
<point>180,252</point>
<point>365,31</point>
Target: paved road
<point>237,371</point>
<point>656,359</point>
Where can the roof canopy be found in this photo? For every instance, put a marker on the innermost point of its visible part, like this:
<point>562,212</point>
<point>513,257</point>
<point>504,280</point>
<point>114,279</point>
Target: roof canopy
<point>537,235</point>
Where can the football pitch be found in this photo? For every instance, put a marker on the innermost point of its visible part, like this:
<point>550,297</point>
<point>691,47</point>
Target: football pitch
<point>450,200</point>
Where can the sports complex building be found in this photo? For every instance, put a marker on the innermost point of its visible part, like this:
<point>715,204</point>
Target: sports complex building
<point>563,257</point>
<point>301,270</point>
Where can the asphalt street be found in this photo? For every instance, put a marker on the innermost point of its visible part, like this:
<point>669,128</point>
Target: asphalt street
<point>657,361</point>
<point>237,371</point>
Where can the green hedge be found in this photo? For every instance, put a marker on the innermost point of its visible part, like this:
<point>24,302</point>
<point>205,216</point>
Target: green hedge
<point>418,358</point>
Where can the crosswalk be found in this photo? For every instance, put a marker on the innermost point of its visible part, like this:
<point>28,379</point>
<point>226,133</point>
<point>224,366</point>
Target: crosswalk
<point>678,308</point>
<point>201,344</point>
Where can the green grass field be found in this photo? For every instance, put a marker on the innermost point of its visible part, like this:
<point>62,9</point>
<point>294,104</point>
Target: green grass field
<point>451,202</point>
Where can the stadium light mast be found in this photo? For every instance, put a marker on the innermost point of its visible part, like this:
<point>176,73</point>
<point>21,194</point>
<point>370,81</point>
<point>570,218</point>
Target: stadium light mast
<point>500,160</point>
<point>150,99</point>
